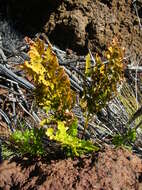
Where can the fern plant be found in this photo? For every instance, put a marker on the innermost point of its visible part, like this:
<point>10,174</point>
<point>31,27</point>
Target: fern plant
<point>103,80</point>
<point>54,95</point>
<point>67,137</point>
<point>28,141</point>
<point>125,139</point>
<point>53,92</point>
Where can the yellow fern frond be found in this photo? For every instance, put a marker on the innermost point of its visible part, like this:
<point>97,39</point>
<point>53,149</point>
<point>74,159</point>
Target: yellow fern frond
<point>52,83</point>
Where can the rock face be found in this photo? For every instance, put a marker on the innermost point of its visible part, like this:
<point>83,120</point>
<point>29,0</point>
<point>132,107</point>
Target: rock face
<point>81,24</point>
<point>110,170</point>
<point>93,24</point>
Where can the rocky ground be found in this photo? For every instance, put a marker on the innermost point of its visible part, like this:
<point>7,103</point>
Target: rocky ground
<point>75,25</point>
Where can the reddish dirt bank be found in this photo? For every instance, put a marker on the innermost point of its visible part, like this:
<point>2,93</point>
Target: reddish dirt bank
<point>82,24</point>
<point>109,170</point>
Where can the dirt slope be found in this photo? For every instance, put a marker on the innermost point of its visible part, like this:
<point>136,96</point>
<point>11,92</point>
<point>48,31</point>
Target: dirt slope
<point>111,170</point>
